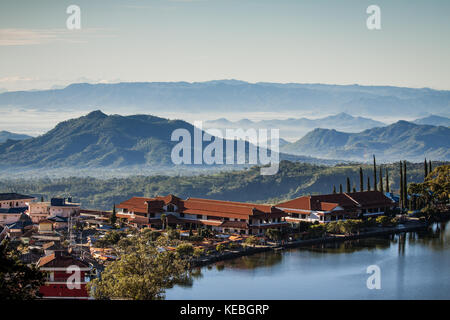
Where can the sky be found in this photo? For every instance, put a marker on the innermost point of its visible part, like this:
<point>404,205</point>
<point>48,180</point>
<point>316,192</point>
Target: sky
<point>310,41</point>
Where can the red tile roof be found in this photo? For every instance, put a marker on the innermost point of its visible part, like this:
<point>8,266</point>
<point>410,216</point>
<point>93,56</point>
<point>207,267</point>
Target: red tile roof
<point>348,201</point>
<point>197,206</point>
<point>60,260</point>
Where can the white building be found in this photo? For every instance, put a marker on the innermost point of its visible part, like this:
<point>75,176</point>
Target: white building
<point>12,205</point>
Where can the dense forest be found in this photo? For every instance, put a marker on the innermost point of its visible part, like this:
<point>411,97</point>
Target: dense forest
<point>293,179</point>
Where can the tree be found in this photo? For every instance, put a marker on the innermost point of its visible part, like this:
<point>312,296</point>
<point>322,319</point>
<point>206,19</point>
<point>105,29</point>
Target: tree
<point>434,193</point>
<point>334,189</point>
<point>252,240</point>
<point>361,180</point>
<point>429,169</point>
<point>142,274</point>
<point>348,185</point>
<point>425,168</point>
<point>381,180</point>
<point>374,174</point>
<point>384,221</point>
<point>17,280</point>
<point>334,227</point>
<point>387,180</point>
<point>220,247</point>
<point>113,218</point>
<point>368,183</point>
<point>150,235</point>
<point>401,186</point>
<point>163,220</point>
<point>185,249</point>
<point>273,234</point>
<point>405,186</point>
<point>340,188</point>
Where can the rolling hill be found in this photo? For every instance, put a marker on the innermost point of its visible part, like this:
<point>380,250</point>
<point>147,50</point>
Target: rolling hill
<point>100,140</point>
<point>295,128</point>
<point>401,140</point>
<point>434,120</point>
<point>5,135</point>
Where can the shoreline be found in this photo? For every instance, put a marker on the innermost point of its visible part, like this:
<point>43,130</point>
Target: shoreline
<point>413,226</point>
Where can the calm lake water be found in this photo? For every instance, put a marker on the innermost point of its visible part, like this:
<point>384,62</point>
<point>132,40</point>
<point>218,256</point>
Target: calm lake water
<point>414,265</point>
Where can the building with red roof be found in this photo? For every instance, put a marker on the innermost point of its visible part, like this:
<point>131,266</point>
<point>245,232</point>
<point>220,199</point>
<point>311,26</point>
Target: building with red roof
<point>223,216</point>
<point>67,276</point>
<point>339,206</point>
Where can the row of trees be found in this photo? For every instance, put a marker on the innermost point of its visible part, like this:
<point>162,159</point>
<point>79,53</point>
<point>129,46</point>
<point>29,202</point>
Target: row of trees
<point>377,186</point>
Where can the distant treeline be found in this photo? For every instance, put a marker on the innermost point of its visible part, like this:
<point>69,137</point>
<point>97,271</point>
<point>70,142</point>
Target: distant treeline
<point>293,179</point>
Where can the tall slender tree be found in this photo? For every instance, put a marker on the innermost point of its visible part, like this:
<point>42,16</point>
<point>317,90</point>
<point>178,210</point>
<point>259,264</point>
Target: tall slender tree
<point>387,180</point>
<point>361,180</point>
<point>381,180</point>
<point>113,218</point>
<point>354,188</point>
<point>348,185</point>
<point>368,183</point>
<point>401,186</point>
<point>425,168</point>
<point>340,188</point>
<point>430,169</point>
<point>374,174</point>
<point>334,189</point>
<point>405,186</point>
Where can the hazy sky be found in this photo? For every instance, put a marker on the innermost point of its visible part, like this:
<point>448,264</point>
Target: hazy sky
<point>309,41</point>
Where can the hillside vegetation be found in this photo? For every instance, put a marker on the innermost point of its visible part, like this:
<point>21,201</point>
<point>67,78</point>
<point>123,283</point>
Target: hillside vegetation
<point>293,180</point>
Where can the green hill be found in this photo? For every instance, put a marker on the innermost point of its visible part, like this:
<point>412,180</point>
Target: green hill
<point>98,141</point>
<point>401,140</point>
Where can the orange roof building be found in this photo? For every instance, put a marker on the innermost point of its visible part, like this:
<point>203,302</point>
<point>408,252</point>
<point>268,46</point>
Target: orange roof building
<point>223,216</point>
<point>332,207</point>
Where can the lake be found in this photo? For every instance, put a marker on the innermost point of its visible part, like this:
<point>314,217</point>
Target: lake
<point>413,265</point>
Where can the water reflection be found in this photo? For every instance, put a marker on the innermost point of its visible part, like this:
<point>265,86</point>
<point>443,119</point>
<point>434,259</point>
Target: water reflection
<point>414,266</point>
<point>436,237</point>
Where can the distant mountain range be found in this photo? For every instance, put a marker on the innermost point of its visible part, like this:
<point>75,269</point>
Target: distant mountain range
<point>235,96</point>
<point>99,140</point>
<point>401,140</point>
<point>293,127</point>
<point>5,135</point>
<point>434,121</point>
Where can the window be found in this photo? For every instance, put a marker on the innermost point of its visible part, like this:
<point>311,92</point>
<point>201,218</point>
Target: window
<point>152,215</point>
<point>199,216</point>
<point>294,215</point>
<point>170,208</point>
<point>181,214</point>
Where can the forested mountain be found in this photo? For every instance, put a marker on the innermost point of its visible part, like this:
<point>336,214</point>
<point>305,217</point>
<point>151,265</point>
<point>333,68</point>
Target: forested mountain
<point>401,140</point>
<point>99,140</point>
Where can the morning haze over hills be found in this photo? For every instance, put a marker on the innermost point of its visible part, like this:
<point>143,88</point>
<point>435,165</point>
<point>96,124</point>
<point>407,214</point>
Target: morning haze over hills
<point>236,96</point>
<point>99,140</point>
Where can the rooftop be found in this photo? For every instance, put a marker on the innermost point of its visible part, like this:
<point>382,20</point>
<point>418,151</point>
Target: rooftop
<point>14,196</point>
